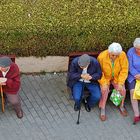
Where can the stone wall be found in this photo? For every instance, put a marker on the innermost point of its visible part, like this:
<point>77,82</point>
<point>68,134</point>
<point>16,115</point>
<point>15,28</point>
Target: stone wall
<point>44,64</point>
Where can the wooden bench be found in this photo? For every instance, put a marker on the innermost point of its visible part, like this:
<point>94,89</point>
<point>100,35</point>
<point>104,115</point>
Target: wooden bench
<point>86,92</point>
<point>93,54</point>
<point>12,57</point>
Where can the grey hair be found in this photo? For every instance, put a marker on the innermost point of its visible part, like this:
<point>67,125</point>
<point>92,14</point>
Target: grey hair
<point>115,48</point>
<point>136,42</point>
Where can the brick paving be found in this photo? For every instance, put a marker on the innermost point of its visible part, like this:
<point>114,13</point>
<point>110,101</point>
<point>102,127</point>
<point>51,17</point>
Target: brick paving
<point>49,115</point>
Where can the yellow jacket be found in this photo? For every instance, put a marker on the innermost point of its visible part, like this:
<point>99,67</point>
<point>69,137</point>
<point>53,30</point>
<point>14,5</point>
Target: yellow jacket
<point>120,68</point>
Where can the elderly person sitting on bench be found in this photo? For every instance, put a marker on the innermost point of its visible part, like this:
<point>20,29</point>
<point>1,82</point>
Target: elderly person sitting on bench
<point>10,82</point>
<point>114,65</point>
<point>84,72</point>
<point>134,75</point>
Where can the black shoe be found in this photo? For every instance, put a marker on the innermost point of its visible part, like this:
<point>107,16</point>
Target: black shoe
<point>76,108</point>
<point>84,101</point>
<point>87,107</point>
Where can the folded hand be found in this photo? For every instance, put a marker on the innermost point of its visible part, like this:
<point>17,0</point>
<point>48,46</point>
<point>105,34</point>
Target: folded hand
<point>119,87</point>
<point>86,77</point>
<point>104,88</point>
<point>3,80</point>
<point>137,76</point>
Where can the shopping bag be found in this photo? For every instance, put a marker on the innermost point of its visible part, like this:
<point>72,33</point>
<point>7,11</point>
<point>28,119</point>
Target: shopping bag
<point>116,97</point>
<point>136,94</point>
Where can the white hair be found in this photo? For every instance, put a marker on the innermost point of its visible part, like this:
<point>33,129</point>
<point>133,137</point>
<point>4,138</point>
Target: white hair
<point>115,48</point>
<point>136,43</point>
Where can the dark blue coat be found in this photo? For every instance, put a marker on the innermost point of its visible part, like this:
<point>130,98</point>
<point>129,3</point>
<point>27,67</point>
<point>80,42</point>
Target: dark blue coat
<point>74,73</point>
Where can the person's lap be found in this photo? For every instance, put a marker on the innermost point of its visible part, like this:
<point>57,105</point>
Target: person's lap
<point>94,91</point>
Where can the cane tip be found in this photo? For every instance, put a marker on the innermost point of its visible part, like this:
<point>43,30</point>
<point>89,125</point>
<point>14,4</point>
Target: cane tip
<point>77,123</point>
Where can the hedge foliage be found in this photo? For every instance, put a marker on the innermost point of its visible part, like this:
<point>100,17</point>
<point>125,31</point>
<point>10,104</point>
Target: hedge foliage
<point>57,27</point>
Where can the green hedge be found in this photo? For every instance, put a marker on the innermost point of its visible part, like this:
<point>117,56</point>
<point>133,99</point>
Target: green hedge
<point>57,27</point>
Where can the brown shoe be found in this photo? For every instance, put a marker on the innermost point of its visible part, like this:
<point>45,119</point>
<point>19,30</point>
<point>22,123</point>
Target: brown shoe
<point>19,114</point>
<point>123,113</point>
<point>103,117</point>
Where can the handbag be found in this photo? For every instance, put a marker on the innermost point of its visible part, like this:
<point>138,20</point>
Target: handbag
<point>136,94</point>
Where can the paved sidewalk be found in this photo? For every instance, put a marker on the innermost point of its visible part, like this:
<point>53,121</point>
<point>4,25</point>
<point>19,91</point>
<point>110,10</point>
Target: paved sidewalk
<point>49,115</point>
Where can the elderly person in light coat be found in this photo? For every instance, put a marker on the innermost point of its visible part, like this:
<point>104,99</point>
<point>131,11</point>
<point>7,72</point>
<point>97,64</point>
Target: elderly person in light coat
<point>134,74</point>
<point>114,65</point>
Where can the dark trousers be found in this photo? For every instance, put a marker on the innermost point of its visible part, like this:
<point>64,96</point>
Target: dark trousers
<point>14,99</point>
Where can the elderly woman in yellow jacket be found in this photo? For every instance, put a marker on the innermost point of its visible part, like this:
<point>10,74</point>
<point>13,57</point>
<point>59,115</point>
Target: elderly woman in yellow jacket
<point>114,65</point>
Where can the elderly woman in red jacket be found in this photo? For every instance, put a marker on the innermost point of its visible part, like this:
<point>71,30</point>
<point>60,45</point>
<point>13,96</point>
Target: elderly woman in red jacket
<point>10,82</point>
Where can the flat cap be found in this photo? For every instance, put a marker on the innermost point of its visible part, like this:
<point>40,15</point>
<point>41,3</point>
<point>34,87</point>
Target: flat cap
<point>84,60</point>
<point>5,61</point>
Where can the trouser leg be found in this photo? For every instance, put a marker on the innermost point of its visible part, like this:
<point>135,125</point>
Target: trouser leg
<point>134,104</point>
<point>14,99</point>
<point>95,94</point>
<point>77,92</point>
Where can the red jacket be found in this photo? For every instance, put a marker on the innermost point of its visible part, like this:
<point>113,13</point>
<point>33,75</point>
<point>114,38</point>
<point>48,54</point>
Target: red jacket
<point>13,80</point>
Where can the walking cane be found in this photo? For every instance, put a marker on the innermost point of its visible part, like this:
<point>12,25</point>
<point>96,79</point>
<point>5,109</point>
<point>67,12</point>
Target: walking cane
<point>80,103</point>
<point>2,98</point>
<point>79,114</point>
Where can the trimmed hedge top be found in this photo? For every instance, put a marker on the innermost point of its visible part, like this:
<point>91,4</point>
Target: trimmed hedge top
<point>57,27</point>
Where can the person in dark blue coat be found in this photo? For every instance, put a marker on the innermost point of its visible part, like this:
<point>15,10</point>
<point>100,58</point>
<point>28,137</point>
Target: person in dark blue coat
<point>84,71</point>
